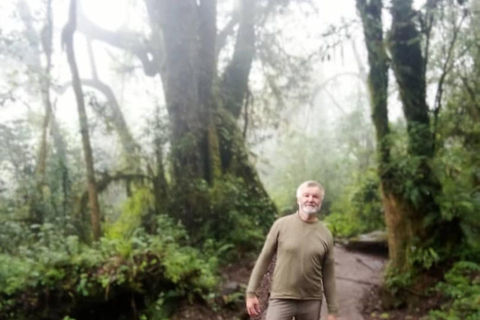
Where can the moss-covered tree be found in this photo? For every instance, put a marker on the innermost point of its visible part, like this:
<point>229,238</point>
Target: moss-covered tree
<point>207,147</point>
<point>67,40</point>
<point>412,214</point>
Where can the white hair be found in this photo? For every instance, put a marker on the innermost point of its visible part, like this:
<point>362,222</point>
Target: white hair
<point>310,183</point>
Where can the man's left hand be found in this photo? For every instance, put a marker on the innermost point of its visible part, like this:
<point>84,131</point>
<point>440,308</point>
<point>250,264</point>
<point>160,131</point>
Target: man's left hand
<point>332,317</point>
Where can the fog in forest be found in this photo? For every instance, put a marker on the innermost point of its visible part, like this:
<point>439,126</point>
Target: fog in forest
<point>146,148</point>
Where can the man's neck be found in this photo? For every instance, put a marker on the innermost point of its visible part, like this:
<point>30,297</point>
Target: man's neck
<point>307,217</point>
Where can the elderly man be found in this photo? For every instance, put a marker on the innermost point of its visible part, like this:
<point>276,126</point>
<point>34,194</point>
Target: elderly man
<point>304,268</point>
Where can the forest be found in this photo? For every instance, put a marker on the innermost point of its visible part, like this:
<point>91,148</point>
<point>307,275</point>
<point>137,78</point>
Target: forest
<point>147,147</point>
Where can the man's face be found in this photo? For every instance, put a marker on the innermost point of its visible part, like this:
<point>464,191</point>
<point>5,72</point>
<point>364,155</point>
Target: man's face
<point>310,200</point>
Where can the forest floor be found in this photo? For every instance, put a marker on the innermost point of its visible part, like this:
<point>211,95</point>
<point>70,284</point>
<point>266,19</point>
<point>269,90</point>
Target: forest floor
<point>358,278</point>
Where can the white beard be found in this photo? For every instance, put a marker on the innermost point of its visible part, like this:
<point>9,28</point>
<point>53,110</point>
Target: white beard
<point>309,210</point>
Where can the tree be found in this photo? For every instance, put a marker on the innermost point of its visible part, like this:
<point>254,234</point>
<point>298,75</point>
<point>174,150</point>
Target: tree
<point>41,44</point>
<point>412,213</point>
<point>203,106</point>
<point>67,40</point>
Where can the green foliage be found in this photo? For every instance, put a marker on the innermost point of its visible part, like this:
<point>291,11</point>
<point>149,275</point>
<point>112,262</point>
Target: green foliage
<point>397,281</point>
<point>156,270</point>
<point>421,256</point>
<point>359,209</point>
<point>410,174</point>
<point>237,221</point>
<point>418,259</point>
<point>136,207</point>
<point>460,200</point>
<point>231,213</point>
<point>461,288</point>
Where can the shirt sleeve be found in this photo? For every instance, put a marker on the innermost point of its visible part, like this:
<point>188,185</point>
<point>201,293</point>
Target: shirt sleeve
<point>263,261</point>
<point>329,287</point>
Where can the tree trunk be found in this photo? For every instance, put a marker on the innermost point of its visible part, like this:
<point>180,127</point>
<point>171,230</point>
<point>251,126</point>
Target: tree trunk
<point>67,39</point>
<point>187,104</point>
<point>117,120</point>
<point>181,87</point>
<point>44,81</point>
<point>412,216</point>
<point>233,91</point>
<point>235,78</point>
<point>395,219</point>
<point>160,185</point>
<point>400,219</point>
<point>409,68</point>
<point>43,74</point>
<point>204,139</point>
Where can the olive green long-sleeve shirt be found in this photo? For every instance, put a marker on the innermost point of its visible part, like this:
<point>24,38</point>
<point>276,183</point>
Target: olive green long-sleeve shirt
<point>305,268</point>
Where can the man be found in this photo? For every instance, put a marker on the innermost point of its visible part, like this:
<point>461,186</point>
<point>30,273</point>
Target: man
<point>304,265</point>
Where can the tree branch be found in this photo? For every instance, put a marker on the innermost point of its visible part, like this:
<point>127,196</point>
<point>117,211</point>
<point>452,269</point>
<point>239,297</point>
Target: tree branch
<point>7,96</point>
<point>91,56</point>
<point>427,26</point>
<point>471,92</point>
<point>235,78</point>
<point>246,117</point>
<point>128,143</point>
<point>447,65</point>
<point>227,31</point>
<point>129,41</point>
<point>67,42</point>
<point>103,183</point>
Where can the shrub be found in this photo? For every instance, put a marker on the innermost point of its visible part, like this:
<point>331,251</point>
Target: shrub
<point>461,287</point>
<point>66,278</point>
<point>359,209</point>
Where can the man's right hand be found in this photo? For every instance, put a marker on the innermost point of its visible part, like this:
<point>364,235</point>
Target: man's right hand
<point>253,306</point>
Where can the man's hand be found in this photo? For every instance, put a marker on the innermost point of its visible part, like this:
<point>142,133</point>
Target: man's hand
<point>253,306</point>
<point>332,317</point>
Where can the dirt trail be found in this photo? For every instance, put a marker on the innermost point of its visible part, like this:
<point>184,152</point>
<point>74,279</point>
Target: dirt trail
<point>355,273</point>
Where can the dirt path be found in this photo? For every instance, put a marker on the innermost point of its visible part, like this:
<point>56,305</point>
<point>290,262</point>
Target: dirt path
<point>355,273</point>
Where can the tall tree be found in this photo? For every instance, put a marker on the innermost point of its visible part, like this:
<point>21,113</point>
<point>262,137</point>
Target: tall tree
<point>421,212</point>
<point>202,105</point>
<point>40,44</point>
<point>396,221</point>
<point>412,214</point>
<point>67,40</point>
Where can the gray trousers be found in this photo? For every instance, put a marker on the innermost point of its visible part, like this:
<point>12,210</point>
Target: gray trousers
<point>286,309</point>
